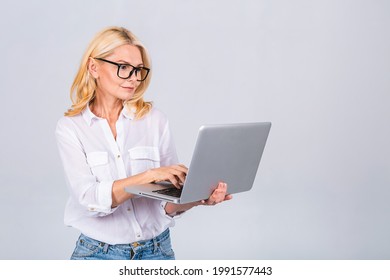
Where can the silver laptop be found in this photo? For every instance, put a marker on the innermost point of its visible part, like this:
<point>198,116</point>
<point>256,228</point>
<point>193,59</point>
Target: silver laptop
<point>229,153</point>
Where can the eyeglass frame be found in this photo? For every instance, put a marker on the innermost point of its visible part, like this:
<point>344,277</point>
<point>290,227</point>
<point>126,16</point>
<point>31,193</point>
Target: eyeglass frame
<point>135,69</point>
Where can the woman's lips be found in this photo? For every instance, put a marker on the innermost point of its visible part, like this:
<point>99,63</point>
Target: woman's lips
<point>129,88</point>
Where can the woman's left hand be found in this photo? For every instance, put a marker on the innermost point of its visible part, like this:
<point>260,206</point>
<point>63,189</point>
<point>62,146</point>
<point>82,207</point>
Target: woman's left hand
<point>218,195</point>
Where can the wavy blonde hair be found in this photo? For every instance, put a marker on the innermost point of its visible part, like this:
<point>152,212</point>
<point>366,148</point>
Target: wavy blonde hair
<point>84,85</point>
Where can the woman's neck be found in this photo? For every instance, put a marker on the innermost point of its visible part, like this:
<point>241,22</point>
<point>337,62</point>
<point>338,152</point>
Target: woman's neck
<point>107,109</point>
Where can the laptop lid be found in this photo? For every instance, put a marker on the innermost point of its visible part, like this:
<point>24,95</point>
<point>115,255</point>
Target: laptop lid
<point>225,152</point>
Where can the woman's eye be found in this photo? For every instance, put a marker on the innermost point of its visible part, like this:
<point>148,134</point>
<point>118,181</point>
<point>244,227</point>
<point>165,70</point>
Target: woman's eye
<point>124,67</point>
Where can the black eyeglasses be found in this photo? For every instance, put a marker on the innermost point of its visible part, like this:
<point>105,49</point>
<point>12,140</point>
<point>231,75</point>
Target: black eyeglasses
<point>125,70</point>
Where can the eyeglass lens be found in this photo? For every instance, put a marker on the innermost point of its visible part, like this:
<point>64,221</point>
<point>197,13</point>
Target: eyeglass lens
<point>126,71</point>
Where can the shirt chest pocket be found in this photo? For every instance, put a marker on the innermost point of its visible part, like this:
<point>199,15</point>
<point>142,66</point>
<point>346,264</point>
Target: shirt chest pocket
<point>143,158</point>
<point>98,162</point>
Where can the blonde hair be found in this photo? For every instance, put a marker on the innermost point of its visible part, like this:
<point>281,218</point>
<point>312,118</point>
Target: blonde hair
<point>84,85</point>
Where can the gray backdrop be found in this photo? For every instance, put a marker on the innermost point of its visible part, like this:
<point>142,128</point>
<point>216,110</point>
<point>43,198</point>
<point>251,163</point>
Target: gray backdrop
<point>318,70</point>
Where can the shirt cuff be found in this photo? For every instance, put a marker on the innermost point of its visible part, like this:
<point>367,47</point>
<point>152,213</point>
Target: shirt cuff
<point>104,199</point>
<point>175,215</point>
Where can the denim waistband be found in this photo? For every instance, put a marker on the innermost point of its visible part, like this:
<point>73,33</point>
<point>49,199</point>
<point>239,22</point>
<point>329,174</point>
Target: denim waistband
<point>144,243</point>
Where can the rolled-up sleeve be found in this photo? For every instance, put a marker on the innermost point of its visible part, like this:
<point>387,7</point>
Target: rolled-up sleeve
<point>164,213</point>
<point>168,155</point>
<point>92,194</point>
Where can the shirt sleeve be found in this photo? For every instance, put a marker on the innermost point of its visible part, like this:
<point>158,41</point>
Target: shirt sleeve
<point>95,196</point>
<point>170,217</point>
<point>168,156</point>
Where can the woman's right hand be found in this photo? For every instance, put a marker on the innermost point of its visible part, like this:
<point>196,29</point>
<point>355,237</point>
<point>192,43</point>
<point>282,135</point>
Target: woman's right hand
<point>176,174</point>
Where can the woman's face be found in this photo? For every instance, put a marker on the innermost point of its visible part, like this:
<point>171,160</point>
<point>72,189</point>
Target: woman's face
<point>109,85</point>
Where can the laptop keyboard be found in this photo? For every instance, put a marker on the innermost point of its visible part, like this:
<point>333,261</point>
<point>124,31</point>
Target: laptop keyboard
<point>170,191</point>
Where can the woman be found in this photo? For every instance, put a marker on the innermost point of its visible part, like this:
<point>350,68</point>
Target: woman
<point>110,139</point>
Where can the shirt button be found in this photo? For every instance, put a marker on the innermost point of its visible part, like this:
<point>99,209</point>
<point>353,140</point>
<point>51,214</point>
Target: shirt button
<point>118,156</point>
<point>128,209</point>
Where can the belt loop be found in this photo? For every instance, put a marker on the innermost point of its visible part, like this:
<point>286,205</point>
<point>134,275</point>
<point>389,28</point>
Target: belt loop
<point>155,245</point>
<point>105,248</point>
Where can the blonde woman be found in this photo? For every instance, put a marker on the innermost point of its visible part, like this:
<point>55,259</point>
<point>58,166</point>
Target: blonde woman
<point>111,138</point>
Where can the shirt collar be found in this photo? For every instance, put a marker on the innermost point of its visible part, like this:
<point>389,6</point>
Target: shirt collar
<point>129,112</point>
<point>89,116</point>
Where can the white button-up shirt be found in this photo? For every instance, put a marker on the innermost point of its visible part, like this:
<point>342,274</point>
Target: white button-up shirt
<point>93,159</point>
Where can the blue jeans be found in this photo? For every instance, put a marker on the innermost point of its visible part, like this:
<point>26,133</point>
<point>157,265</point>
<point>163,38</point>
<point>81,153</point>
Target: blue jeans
<point>158,248</point>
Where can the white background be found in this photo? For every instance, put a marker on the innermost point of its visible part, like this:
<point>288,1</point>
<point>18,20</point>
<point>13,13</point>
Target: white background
<point>318,70</point>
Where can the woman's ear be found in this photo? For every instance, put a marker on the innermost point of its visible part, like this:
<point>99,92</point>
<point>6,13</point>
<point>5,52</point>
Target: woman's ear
<point>93,68</point>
